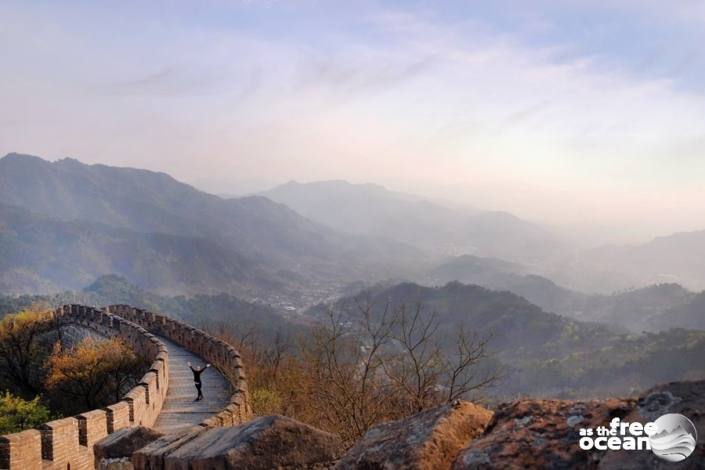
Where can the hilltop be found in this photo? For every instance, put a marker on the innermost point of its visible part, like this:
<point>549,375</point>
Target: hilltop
<point>541,353</point>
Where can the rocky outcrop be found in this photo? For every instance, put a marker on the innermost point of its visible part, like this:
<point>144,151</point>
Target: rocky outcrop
<point>686,398</point>
<point>123,443</point>
<point>264,443</point>
<point>428,440</point>
<point>153,455</point>
<point>539,434</point>
<point>545,433</point>
<point>525,434</point>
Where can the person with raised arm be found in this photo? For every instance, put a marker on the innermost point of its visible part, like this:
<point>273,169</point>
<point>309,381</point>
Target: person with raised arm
<point>197,378</point>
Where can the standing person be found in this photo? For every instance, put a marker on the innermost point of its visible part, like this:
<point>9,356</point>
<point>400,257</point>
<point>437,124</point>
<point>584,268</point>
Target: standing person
<point>197,378</point>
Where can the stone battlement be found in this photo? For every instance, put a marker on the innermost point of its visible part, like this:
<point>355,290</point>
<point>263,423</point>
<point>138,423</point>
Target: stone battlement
<point>68,443</point>
<point>216,351</point>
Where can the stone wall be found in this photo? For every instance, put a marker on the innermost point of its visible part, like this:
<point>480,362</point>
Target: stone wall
<point>68,443</point>
<point>219,353</point>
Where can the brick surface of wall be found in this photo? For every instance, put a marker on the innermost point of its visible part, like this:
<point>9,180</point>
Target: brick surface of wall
<point>60,443</point>
<point>22,450</point>
<point>92,427</point>
<point>118,416</point>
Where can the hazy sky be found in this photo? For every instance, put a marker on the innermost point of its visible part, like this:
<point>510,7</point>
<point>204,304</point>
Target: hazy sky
<point>564,112</point>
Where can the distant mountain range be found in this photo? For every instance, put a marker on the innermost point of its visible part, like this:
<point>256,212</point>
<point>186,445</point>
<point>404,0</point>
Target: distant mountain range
<point>542,353</point>
<point>368,209</point>
<point>650,308</point>
<point>671,259</point>
<point>44,254</point>
<point>65,223</point>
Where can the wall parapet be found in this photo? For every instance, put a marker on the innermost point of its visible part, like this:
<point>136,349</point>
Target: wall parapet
<point>68,442</point>
<point>214,350</point>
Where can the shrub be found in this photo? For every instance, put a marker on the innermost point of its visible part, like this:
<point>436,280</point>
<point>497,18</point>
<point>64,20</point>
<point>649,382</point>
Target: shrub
<point>17,414</point>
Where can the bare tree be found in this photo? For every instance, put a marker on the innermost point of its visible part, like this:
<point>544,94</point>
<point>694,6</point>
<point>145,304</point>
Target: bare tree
<point>347,365</point>
<point>363,367</point>
<point>424,374</point>
<point>462,377</point>
<point>417,369</point>
<point>389,364</point>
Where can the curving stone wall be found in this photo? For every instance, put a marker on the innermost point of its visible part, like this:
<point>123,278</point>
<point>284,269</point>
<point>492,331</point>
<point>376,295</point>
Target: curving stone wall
<point>216,351</point>
<point>67,443</point>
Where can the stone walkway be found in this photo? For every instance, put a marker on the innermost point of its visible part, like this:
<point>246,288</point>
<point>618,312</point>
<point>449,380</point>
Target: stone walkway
<point>180,411</point>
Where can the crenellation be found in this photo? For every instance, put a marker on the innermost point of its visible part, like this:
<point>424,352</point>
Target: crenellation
<point>137,401</point>
<point>118,416</point>
<point>68,442</point>
<point>22,450</point>
<point>60,441</point>
<point>92,427</point>
<point>228,416</point>
<point>153,398</point>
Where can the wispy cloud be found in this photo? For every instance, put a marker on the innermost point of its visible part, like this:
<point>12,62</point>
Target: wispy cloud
<point>431,94</point>
<point>172,80</point>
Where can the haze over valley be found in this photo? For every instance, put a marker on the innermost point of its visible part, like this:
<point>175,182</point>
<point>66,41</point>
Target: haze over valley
<point>278,260</point>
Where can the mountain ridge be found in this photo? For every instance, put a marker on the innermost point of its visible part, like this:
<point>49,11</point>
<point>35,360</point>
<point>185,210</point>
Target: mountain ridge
<point>276,242</point>
<point>371,209</point>
<point>541,353</point>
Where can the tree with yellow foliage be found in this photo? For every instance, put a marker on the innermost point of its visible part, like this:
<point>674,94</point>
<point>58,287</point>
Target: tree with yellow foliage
<point>21,352</point>
<point>94,372</point>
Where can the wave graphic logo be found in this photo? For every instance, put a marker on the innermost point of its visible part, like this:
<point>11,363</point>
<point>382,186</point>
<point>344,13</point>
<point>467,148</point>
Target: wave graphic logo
<point>675,437</point>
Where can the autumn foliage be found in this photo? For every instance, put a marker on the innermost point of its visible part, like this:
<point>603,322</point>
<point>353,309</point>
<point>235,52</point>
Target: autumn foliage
<point>92,374</point>
<point>17,414</point>
<point>22,351</point>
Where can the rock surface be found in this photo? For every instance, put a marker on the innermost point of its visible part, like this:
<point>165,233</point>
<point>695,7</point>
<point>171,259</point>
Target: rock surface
<point>428,440</point>
<point>152,456</point>
<point>686,398</point>
<point>115,464</point>
<point>539,434</point>
<point>269,442</point>
<point>124,442</point>
<point>526,434</point>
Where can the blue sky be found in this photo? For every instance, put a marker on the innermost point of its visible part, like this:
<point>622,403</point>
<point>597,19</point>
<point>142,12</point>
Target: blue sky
<point>563,111</point>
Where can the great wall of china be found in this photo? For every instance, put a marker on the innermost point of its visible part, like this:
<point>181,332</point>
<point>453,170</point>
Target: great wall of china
<point>67,443</point>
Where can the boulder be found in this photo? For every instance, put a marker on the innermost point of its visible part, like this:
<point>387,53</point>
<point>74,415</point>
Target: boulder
<point>427,440</point>
<point>152,456</point>
<point>115,464</point>
<point>539,434</point>
<point>123,443</point>
<point>269,442</point>
<point>686,398</point>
